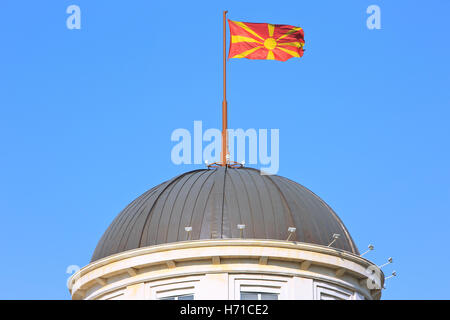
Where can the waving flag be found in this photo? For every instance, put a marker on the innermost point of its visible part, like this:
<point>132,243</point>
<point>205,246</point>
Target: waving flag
<point>265,41</point>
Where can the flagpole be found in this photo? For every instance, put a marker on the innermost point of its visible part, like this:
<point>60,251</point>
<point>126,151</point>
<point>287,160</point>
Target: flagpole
<point>224,101</point>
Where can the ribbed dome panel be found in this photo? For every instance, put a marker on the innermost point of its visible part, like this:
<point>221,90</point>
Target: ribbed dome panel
<point>214,202</point>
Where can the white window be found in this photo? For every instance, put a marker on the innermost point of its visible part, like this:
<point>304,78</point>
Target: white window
<point>181,288</point>
<point>246,295</point>
<point>329,291</point>
<point>258,287</point>
<point>183,297</point>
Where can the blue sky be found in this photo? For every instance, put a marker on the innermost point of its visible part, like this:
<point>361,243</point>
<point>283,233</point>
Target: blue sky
<point>86,117</point>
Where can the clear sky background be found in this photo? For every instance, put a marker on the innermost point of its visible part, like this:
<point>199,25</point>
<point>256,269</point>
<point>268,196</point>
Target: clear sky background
<point>86,117</point>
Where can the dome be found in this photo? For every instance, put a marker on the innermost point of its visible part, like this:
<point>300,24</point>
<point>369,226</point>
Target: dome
<point>213,202</point>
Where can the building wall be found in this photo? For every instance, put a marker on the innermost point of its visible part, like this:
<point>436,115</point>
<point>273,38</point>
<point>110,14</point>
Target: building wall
<point>221,269</point>
<point>224,286</point>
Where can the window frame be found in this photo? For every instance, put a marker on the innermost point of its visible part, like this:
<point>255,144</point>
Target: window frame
<point>178,297</point>
<point>259,295</point>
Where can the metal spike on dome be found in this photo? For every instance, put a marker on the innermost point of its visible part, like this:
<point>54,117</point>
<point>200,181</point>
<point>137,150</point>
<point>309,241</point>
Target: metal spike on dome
<point>241,228</point>
<point>370,248</point>
<point>291,231</point>
<point>335,237</point>
<point>393,274</point>
<point>188,230</point>
<point>390,260</point>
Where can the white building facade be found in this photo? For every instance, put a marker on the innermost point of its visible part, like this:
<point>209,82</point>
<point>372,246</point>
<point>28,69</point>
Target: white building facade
<point>235,269</point>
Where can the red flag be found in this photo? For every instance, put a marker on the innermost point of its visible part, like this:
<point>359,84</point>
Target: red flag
<point>265,41</point>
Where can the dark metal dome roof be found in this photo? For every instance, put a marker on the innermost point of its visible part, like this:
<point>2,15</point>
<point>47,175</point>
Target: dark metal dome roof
<point>213,202</point>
